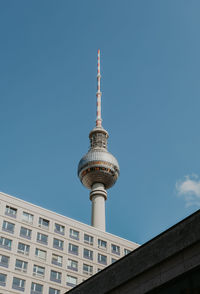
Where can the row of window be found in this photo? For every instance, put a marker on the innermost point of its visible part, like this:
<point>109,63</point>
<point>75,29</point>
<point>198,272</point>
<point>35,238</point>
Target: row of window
<point>43,223</point>
<point>21,265</point>
<point>42,238</point>
<point>72,249</point>
<point>56,259</point>
<point>58,228</point>
<point>19,284</point>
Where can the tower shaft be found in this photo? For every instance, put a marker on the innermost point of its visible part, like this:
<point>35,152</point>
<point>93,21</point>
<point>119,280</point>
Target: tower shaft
<point>98,195</point>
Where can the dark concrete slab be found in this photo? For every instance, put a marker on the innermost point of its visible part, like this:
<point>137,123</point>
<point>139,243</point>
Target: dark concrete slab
<point>166,256</point>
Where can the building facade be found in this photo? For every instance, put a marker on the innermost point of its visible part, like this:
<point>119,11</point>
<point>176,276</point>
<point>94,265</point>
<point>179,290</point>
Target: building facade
<point>42,252</point>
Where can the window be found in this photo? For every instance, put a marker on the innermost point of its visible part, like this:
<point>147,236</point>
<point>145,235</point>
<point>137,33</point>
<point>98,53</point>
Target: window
<point>87,269</point>
<point>58,244</point>
<point>36,288</point>
<point>72,264</point>
<point>115,249</point>
<point>55,276</point>
<point>38,271</point>
<point>21,265</point>
<point>43,223</point>
<point>3,278</point>
<point>54,291</point>
<point>102,244</point>
<point>57,259</point>
<point>18,284</point>
<point>88,254</point>
<point>25,233</point>
<point>74,234</point>
<point>5,243</point>
<point>113,260</point>
<point>88,239</point>
<point>71,281</point>
<point>102,258</point>
<point>40,253</point>
<point>41,238</point>
<point>73,249</point>
<point>27,217</point>
<point>4,260</point>
<point>11,211</point>
<point>126,251</point>
<point>8,227</point>
<point>23,248</point>
<point>59,229</point>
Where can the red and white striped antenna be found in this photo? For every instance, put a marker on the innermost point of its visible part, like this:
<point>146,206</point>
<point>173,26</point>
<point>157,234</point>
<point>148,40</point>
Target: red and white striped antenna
<point>99,119</point>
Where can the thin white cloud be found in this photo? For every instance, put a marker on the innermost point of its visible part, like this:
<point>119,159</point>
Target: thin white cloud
<point>189,189</point>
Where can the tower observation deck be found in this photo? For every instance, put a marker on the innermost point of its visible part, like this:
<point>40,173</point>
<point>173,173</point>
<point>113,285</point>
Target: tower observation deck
<point>98,170</point>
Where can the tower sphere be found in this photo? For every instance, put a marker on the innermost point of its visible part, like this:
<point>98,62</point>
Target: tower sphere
<point>98,165</point>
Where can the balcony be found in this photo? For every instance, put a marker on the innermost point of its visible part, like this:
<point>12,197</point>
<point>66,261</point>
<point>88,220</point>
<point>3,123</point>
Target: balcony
<point>4,264</point>
<point>18,288</point>
<point>56,262</point>
<point>53,279</point>
<point>7,247</point>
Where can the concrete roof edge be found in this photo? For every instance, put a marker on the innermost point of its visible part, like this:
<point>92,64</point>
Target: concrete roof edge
<point>173,240</point>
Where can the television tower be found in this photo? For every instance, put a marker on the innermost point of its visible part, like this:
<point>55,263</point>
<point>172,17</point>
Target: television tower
<point>98,170</point>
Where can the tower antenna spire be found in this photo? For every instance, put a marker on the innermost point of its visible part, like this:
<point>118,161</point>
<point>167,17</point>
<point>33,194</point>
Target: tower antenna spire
<point>98,94</point>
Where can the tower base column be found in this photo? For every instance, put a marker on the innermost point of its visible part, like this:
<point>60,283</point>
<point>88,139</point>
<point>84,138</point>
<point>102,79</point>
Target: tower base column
<point>98,195</point>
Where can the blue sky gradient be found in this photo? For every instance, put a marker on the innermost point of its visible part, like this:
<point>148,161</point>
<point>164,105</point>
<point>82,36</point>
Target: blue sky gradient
<point>150,66</point>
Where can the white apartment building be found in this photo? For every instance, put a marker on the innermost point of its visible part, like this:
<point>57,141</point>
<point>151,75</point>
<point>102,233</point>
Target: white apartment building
<point>42,252</point>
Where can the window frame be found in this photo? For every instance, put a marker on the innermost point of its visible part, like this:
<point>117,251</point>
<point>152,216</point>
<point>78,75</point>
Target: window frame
<point>71,251</point>
<point>74,234</point>
<point>3,263</point>
<point>87,269</point>
<point>39,239</point>
<point>24,266</point>
<point>126,251</point>
<point>115,249</point>
<point>100,259</point>
<point>29,219</point>
<point>56,291</point>
<point>3,281</point>
<point>57,278</point>
<point>59,242</point>
<point>42,221</point>
<point>11,211</point>
<point>68,283</point>
<point>36,291</point>
<point>55,260</point>
<point>28,233</point>
<point>90,240</point>
<point>26,246</point>
<point>60,229</point>
<point>18,286</point>
<point>6,246</point>
<point>37,250</point>
<point>38,271</point>
<point>5,227</point>
<point>100,244</point>
<point>70,266</point>
<point>87,256</point>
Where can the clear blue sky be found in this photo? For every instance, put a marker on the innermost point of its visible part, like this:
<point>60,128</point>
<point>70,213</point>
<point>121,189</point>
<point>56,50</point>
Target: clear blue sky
<point>150,64</point>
